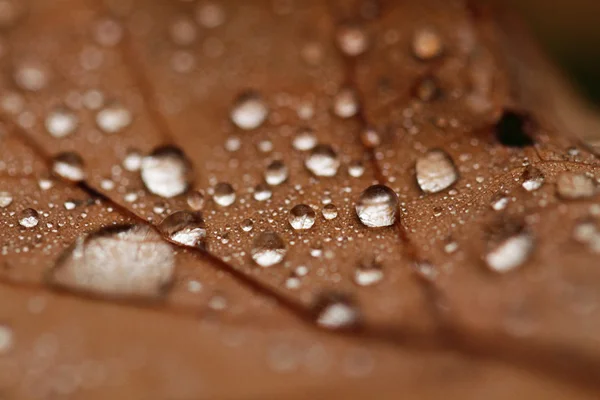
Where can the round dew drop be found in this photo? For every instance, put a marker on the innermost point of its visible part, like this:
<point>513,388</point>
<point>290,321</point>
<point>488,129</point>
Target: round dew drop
<point>302,217</point>
<point>377,206</point>
<point>268,249</point>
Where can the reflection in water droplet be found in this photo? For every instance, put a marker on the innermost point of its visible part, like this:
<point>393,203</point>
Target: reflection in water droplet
<point>195,200</point>
<point>510,253</point>
<point>224,195</point>
<point>352,40</point>
<point>5,199</point>
<point>572,186</point>
<point>28,218</point>
<point>124,261</point>
<point>268,249</point>
<point>6,339</point>
<point>323,161</point>
<point>262,192</point>
<point>427,44</point>
<point>345,103</point>
<point>369,272</point>
<point>533,179</point>
<point>61,122</point>
<point>276,173</point>
<point>305,139</point>
<point>356,169</point>
<point>435,171</point>
<point>302,217</point>
<point>377,206</point>
<point>336,312</point>
<point>330,211</point>
<point>247,225</point>
<point>249,111</point>
<point>113,118</point>
<point>184,227</point>
<point>166,172</point>
<point>68,166</point>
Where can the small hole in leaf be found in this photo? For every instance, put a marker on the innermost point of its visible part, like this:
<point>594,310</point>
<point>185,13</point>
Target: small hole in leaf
<point>511,130</point>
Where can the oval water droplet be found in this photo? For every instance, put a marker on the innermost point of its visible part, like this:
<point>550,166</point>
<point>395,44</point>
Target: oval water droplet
<point>356,169</point>
<point>247,225</point>
<point>499,202</point>
<point>166,172</point>
<point>323,161</point>
<point>133,160</point>
<point>330,211</point>
<point>113,118</point>
<point>427,44</point>
<point>276,173</point>
<point>336,312</point>
<point>352,40</point>
<point>129,261</point>
<point>370,137</point>
<point>510,253</point>
<point>6,339</point>
<point>6,199</point>
<point>572,186</point>
<point>195,200</point>
<point>345,103</point>
<point>533,179</point>
<point>435,171</point>
<point>31,76</point>
<point>268,249</point>
<point>185,227</point>
<point>224,195</point>
<point>61,122</point>
<point>69,166</point>
<point>262,192</point>
<point>369,272</point>
<point>249,111</point>
<point>305,139</point>
<point>210,15</point>
<point>28,218</point>
<point>377,206</point>
<point>302,217</point>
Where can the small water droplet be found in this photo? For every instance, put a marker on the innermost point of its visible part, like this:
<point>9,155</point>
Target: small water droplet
<point>330,211</point>
<point>368,273</point>
<point>247,225</point>
<point>210,15</point>
<point>352,40</point>
<point>302,217</point>
<point>6,339</point>
<point>124,261</point>
<point>249,111</point>
<point>166,172</point>
<point>427,44</point>
<point>113,118</point>
<point>183,31</point>
<point>510,253</point>
<point>370,137</point>
<point>356,169</point>
<point>5,199</point>
<point>336,312</point>
<point>377,206</point>
<point>31,76</point>
<point>233,143</point>
<point>268,249</point>
<point>276,173</point>
<point>345,103</point>
<point>262,192</point>
<point>133,160</point>
<point>435,171</point>
<point>195,200</point>
<point>108,32</point>
<point>572,186</point>
<point>533,179</point>
<point>224,195</point>
<point>323,161</point>
<point>184,227</point>
<point>69,166</point>
<point>61,122</point>
<point>28,218</point>
<point>305,139</point>
<point>499,202</point>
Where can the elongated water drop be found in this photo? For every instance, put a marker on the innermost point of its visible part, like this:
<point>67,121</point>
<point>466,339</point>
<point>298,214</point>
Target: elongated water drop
<point>69,166</point>
<point>185,227</point>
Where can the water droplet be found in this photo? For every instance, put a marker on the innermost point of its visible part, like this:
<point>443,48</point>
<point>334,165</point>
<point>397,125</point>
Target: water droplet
<point>533,179</point>
<point>336,312</point>
<point>68,166</point>
<point>233,143</point>
<point>330,211</point>
<point>499,202</point>
<point>323,161</point>
<point>370,137</point>
<point>195,200</point>
<point>28,218</point>
<point>61,122</point>
<point>108,33</point>
<point>356,169</point>
<point>510,253</point>
<point>369,272</point>
<point>352,40</point>
<point>124,261</point>
<point>210,15</point>
<point>113,118</point>
<point>435,171</point>
<point>377,206</point>
<point>166,172</point>
<point>224,195</point>
<point>302,217</point>
<point>6,339</point>
<point>247,225</point>
<point>268,249</point>
<point>345,103</point>
<point>305,139</point>
<point>427,44</point>
<point>573,186</point>
<point>249,111</point>
<point>262,192</point>
<point>5,199</point>
<point>183,31</point>
<point>184,227</point>
<point>427,89</point>
<point>276,173</point>
<point>31,76</point>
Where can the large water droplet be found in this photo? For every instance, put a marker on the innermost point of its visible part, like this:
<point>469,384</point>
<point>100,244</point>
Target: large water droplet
<point>124,261</point>
<point>510,253</point>
<point>262,192</point>
<point>113,118</point>
<point>352,40</point>
<point>377,206</point>
<point>249,111</point>
<point>28,218</point>
<point>302,217</point>
<point>166,172</point>
<point>61,122</point>
<point>533,179</point>
<point>5,199</point>
<point>268,249</point>
<point>435,171</point>
<point>369,272</point>
<point>323,161</point>
<point>572,186</point>
<point>69,166</point>
<point>330,211</point>
<point>184,227</point>
<point>224,195</point>
<point>336,312</point>
<point>345,103</point>
<point>305,139</point>
<point>427,44</point>
<point>276,173</point>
